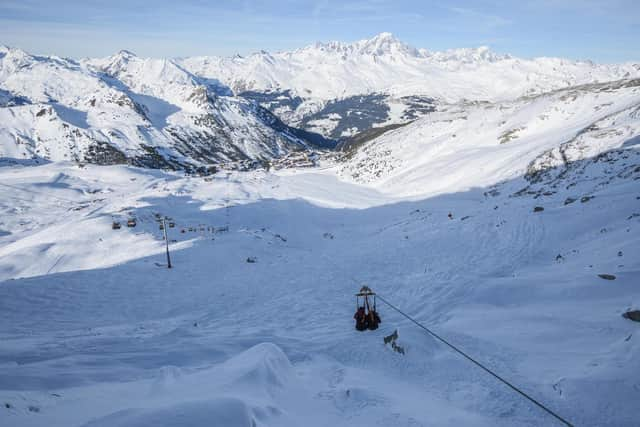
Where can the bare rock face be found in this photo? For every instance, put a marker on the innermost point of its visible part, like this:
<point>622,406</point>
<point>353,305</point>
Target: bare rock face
<point>632,315</point>
<point>392,339</point>
<point>607,276</point>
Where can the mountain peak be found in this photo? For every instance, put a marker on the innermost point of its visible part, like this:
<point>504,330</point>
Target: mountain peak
<point>385,43</point>
<point>381,44</point>
<point>125,54</point>
<point>115,63</point>
<point>468,55</point>
<point>15,56</point>
<point>385,36</point>
<point>8,50</point>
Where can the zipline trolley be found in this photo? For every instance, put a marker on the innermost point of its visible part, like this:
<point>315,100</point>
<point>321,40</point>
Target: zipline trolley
<point>366,315</point>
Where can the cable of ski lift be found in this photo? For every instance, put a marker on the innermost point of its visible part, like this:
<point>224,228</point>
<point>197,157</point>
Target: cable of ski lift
<point>475,362</point>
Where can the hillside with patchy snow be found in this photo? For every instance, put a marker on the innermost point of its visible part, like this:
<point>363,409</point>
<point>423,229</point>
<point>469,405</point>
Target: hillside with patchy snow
<point>477,144</point>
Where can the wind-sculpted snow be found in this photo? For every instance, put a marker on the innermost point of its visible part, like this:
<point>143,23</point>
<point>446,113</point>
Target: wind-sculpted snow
<point>222,411</point>
<point>208,397</point>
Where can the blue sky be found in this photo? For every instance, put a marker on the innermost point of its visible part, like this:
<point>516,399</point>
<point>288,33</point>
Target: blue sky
<point>605,31</point>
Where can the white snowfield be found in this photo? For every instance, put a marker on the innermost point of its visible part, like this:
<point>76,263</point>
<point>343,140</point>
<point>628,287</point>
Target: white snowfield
<point>96,331</point>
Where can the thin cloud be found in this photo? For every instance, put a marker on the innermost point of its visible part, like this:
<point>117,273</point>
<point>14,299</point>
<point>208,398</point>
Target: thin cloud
<point>487,20</point>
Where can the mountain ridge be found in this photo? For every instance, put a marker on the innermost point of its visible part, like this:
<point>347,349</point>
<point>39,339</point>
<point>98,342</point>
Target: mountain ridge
<point>199,111</point>
<point>259,71</point>
<point>306,86</point>
<point>124,108</point>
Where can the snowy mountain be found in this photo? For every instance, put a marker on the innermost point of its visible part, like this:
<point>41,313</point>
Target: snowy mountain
<point>493,200</point>
<point>323,87</point>
<point>384,64</point>
<point>127,109</point>
<point>479,144</point>
<point>203,111</point>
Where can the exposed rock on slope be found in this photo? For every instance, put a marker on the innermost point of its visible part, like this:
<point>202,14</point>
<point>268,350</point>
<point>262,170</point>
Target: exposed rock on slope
<point>127,109</point>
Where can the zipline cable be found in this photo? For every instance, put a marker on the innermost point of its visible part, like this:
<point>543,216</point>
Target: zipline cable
<point>466,356</point>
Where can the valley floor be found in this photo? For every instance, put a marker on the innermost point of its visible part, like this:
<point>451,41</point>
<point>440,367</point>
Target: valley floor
<point>95,331</point>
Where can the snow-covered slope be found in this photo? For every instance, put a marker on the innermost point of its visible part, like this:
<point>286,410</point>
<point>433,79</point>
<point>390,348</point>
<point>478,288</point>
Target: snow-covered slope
<point>128,109</point>
<point>96,331</point>
<point>479,144</point>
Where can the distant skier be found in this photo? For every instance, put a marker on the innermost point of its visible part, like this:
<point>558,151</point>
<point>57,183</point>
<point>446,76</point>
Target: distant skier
<point>450,215</point>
